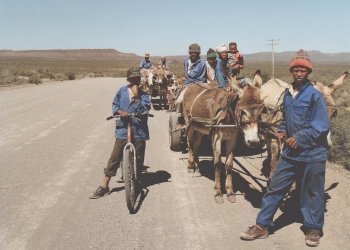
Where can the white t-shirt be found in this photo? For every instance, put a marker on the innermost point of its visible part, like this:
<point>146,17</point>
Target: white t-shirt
<point>211,71</point>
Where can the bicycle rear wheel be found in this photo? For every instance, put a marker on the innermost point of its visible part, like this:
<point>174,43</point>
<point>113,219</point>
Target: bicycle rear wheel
<point>129,179</point>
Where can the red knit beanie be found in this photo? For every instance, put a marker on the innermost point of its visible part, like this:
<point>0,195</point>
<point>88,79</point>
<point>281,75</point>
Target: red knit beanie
<point>301,58</point>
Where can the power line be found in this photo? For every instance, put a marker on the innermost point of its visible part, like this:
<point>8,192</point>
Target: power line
<point>273,58</point>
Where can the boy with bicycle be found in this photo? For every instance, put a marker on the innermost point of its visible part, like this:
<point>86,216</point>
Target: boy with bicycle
<point>129,99</point>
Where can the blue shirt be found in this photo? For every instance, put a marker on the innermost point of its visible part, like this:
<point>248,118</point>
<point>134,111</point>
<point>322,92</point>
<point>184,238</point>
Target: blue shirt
<point>305,118</point>
<point>220,75</point>
<point>146,64</point>
<point>139,128</point>
<point>197,73</point>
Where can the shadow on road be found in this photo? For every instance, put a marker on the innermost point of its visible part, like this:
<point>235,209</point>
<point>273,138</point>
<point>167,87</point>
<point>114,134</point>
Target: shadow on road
<point>149,179</point>
<point>291,209</point>
<point>240,185</point>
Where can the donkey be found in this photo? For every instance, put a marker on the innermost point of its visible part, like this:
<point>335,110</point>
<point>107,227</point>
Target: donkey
<point>271,117</point>
<point>161,85</point>
<point>147,81</point>
<point>221,115</point>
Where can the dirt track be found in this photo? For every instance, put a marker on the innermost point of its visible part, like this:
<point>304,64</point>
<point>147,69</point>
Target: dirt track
<point>54,144</point>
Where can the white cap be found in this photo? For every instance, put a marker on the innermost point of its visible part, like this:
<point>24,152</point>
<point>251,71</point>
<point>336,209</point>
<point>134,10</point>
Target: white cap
<point>222,47</point>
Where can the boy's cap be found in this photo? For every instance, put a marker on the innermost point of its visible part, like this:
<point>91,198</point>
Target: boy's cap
<point>133,72</point>
<point>301,58</point>
<point>146,55</point>
<point>211,53</point>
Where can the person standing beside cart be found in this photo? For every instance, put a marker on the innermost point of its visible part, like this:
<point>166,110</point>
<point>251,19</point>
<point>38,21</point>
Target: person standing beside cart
<point>305,126</point>
<point>129,99</point>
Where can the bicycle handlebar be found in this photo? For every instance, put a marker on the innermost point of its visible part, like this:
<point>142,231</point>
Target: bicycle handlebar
<point>129,115</point>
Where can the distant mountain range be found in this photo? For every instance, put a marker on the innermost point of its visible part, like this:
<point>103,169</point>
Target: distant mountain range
<point>114,55</point>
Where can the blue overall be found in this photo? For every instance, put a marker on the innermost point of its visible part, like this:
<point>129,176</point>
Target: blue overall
<point>304,118</point>
<point>197,73</point>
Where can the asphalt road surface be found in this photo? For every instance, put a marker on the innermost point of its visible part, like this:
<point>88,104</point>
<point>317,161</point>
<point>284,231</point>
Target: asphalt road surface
<point>54,144</point>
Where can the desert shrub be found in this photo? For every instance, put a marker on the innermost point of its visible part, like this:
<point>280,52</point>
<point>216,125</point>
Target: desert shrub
<point>70,75</point>
<point>7,80</point>
<point>20,80</point>
<point>98,74</point>
<point>34,78</point>
<point>24,73</point>
<point>51,76</point>
<point>61,77</point>
<point>340,151</point>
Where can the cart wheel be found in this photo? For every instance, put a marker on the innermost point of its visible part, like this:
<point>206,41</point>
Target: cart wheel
<point>174,138</point>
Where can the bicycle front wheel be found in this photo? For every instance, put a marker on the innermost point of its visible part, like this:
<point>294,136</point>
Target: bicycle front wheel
<point>129,179</point>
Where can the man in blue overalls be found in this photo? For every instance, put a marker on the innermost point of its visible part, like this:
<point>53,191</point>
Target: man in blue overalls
<point>305,126</point>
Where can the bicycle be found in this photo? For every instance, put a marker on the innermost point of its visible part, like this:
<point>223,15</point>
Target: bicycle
<point>129,164</point>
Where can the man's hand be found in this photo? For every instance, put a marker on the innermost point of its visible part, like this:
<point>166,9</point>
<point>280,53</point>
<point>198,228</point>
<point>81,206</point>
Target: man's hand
<point>291,142</point>
<point>281,136</point>
<point>122,113</point>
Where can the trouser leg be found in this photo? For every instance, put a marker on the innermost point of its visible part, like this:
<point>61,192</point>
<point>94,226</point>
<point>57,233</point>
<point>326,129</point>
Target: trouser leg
<point>312,194</point>
<point>140,147</point>
<point>281,182</point>
<point>115,158</point>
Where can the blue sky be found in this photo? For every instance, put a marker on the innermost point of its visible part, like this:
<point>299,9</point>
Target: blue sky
<point>169,27</point>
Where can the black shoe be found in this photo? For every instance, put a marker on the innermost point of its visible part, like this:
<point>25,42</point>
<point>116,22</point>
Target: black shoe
<point>100,192</point>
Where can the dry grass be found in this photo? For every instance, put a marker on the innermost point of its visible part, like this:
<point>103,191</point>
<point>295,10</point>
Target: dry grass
<point>16,71</point>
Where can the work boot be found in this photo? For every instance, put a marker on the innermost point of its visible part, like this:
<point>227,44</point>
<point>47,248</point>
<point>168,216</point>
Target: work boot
<point>255,232</point>
<point>312,237</point>
<point>100,192</point>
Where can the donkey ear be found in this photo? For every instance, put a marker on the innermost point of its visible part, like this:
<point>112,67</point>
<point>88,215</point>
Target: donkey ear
<point>338,83</point>
<point>257,80</point>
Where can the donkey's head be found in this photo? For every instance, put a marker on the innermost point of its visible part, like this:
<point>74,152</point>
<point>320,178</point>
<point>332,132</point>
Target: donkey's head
<point>248,110</point>
<point>160,76</point>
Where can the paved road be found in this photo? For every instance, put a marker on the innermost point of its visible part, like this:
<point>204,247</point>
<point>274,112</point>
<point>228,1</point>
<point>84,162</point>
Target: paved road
<point>54,145</point>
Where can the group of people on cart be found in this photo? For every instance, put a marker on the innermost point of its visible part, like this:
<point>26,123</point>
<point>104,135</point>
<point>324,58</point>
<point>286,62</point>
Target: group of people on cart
<point>221,63</point>
<point>219,66</point>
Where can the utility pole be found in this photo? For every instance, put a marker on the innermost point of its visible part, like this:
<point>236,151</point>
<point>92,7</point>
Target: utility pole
<point>273,58</point>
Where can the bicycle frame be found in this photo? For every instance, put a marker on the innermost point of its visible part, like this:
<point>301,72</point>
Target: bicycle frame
<point>129,144</point>
<point>128,139</point>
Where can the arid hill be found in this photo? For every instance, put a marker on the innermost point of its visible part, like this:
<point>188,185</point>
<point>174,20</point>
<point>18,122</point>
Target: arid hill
<point>114,55</point>
<point>71,54</point>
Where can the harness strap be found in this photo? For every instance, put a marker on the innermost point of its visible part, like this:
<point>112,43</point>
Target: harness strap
<point>220,110</point>
<point>196,100</point>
